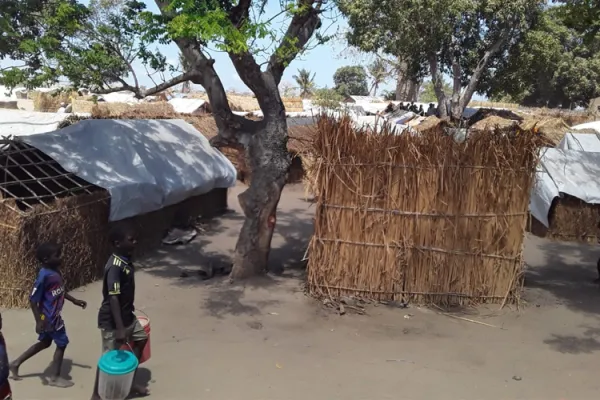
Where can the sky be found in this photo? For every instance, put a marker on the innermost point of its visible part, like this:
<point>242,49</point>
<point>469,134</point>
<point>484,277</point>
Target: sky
<point>323,60</point>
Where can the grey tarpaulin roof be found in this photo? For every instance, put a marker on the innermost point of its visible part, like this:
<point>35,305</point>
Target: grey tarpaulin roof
<point>144,164</point>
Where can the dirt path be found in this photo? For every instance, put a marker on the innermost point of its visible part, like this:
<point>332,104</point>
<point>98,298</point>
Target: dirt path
<point>265,340</point>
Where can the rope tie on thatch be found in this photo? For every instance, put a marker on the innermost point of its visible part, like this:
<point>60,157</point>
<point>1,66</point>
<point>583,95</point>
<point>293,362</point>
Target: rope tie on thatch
<point>421,248</point>
<point>431,166</point>
<point>404,292</point>
<point>424,214</point>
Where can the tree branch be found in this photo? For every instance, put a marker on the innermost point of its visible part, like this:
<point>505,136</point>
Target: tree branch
<point>302,26</point>
<point>482,64</point>
<point>240,13</point>
<point>438,85</point>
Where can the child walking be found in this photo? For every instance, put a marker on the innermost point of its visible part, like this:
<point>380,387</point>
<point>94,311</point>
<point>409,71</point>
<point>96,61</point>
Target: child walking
<point>47,300</point>
<point>5,391</point>
<point>116,320</point>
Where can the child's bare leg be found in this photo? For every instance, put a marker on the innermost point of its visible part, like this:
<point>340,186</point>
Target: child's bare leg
<point>30,352</point>
<point>138,389</point>
<point>55,379</point>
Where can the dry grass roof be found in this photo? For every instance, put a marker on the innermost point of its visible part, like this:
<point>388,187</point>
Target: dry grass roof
<point>249,103</point>
<point>493,122</point>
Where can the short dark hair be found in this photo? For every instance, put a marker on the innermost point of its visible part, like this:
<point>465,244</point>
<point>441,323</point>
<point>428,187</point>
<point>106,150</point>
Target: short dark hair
<point>45,250</point>
<point>119,231</point>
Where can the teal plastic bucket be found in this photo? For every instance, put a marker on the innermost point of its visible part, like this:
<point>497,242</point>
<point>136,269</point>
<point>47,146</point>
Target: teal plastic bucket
<point>117,368</point>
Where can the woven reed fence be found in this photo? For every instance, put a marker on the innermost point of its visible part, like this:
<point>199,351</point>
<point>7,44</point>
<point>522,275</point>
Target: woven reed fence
<point>419,218</point>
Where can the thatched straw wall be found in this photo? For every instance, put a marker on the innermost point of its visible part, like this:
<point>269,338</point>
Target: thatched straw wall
<point>116,109</point>
<point>81,224</point>
<point>419,217</point>
<point>571,219</point>
<point>50,102</point>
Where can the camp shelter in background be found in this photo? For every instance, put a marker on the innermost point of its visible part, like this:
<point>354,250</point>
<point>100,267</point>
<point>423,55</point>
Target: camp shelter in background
<point>190,106</point>
<point>69,185</point>
<point>565,198</point>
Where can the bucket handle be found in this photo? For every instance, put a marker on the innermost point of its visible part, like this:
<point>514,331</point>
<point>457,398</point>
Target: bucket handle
<point>145,315</point>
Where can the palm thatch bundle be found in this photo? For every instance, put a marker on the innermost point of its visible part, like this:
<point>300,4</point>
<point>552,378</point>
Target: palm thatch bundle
<point>571,220</point>
<point>419,218</point>
<point>293,104</point>
<point>51,101</point>
<point>493,123</point>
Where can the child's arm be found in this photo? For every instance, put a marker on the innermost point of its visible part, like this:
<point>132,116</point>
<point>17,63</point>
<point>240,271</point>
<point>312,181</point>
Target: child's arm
<point>78,303</point>
<point>35,300</point>
<point>113,282</point>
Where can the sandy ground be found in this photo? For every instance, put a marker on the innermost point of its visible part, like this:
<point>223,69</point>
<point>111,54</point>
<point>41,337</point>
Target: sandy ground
<point>267,340</point>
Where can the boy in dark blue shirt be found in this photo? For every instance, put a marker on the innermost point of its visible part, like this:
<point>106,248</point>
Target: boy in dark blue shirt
<point>47,300</point>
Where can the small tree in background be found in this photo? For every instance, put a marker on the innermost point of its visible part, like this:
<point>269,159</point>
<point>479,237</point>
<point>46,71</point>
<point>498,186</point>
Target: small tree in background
<point>351,81</point>
<point>379,70</point>
<point>428,95</point>
<point>305,82</point>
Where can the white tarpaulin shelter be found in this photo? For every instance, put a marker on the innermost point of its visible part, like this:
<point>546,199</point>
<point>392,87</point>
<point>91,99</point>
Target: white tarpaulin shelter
<point>21,123</point>
<point>589,142</point>
<point>144,164</point>
<point>186,106</point>
<point>595,125</point>
<point>564,171</point>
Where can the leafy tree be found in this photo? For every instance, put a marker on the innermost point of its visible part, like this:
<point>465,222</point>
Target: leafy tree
<point>101,59</point>
<point>557,64</point>
<point>351,81</point>
<point>428,95</point>
<point>327,98</point>
<point>461,38</point>
<point>305,82</point>
<point>379,71</point>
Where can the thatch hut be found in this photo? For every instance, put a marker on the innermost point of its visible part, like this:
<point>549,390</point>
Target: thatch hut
<point>43,201</point>
<point>419,218</point>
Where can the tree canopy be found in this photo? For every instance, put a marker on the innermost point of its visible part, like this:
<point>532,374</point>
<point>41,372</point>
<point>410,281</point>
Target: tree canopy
<point>557,64</point>
<point>461,38</point>
<point>351,81</point>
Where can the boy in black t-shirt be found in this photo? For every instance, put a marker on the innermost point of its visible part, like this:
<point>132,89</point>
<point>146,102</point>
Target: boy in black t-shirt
<point>116,320</point>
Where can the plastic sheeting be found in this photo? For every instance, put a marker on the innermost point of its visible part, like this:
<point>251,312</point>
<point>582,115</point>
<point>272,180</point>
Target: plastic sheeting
<point>186,106</point>
<point>144,164</point>
<point>21,123</point>
<point>581,142</point>
<point>595,125</point>
<point>564,171</point>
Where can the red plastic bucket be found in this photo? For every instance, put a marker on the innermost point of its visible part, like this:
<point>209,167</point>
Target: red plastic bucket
<point>145,322</point>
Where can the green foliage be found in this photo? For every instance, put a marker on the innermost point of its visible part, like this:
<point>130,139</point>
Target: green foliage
<point>441,33</point>
<point>428,95</point>
<point>327,98</point>
<point>389,95</point>
<point>351,81</point>
<point>32,32</point>
<point>305,82</point>
<point>556,65</point>
<point>96,46</point>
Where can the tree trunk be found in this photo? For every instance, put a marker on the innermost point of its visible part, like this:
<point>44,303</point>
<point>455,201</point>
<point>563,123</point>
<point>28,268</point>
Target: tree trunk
<point>270,162</point>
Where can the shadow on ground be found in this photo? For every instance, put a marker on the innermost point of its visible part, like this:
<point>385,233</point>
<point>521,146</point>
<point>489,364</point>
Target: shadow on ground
<point>212,250</point>
<point>562,273</point>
